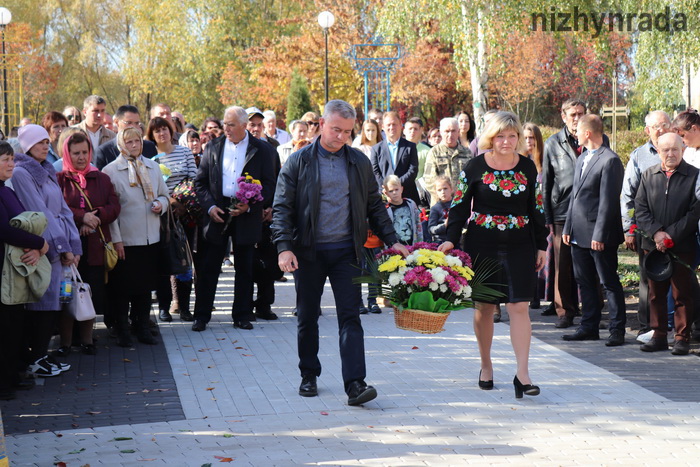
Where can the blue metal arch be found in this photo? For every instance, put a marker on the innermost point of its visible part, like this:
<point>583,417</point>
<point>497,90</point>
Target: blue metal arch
<point>376,62</point>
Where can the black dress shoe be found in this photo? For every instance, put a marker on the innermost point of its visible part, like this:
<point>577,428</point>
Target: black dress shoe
<point>242,325</point>
<point>581,335</point>
<point>485,385</point>
<point>616,339</point>
<point>375,309</point>
<point>564,322</point>
<point>145,337</point>
<point>681,347</point>
<point>551,310</point>
<point>267,315</point>
<point>528,389</point>
<point>165,315</point>
<point>308,386</point>
<point>186,315</point>
<point>656,344</point>
<point>359,393</point>
<point>364,310</point>
<point>199,325</point>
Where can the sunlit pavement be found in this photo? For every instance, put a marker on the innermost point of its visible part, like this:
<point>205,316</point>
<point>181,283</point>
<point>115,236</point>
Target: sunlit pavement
<point>238,393</point>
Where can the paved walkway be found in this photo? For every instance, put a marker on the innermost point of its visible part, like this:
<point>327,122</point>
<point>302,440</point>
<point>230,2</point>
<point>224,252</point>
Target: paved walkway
<point>231,395</point>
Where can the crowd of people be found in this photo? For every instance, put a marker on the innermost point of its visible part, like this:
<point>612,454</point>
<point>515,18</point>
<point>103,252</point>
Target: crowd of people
<point>333,192</point>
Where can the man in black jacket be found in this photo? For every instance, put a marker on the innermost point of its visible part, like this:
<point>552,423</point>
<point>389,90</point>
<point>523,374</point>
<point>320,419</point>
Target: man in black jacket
<point>667,210</point>
<point>226,159</point>
<point>325,194</point>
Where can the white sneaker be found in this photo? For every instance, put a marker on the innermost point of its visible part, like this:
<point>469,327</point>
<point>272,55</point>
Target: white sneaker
<point>56,364</point>
<point>646,337</point>
<point>43,368</point>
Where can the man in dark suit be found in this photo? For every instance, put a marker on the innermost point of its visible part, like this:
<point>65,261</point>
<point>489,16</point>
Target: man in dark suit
<point>396,156</point>
<point>226,159</point>
<point>593,229</point>
<point>127,116</point>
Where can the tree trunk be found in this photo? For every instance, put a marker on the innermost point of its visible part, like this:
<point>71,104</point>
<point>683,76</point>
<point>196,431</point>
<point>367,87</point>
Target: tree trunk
<point>478,64</point>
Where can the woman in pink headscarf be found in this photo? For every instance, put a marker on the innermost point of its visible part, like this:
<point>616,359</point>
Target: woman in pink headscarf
<point>90,195</point>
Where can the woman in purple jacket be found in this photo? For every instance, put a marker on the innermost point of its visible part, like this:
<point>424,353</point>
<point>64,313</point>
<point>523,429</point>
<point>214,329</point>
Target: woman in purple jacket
<point>34,181</point>
<point>12,316</point>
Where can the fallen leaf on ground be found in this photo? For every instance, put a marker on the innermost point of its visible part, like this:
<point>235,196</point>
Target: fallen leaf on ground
<point>77,451</point>
<point>239,348</point>
<point>36,403</point>
<point>324,413</point>
<point>228,435</point>
<point>122,438</point>
<point>392,362</point>
<point>246,355</point>
<point>414,347</point>
<point>202,350</point>
<point>161,390</point>
<point>194,359</point>
<point>224,459</point>
<point>208,464</point>
<point>210,389</point>
<point>60,464</point>
<point>59,435</point>
<point>146,391</point>
<point>220,338</point>
<point>45,430</point>
<point>126,360</point>
<point>74,425</point>
<point>128,451</point>
<point>131,393</point>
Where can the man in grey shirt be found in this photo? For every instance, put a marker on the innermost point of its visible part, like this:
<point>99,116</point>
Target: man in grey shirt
<point>325,201</point>
<point>657,123</point>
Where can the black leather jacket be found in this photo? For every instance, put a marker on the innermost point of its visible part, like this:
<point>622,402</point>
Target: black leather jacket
<point>297,201</point>
<point>669,204</point>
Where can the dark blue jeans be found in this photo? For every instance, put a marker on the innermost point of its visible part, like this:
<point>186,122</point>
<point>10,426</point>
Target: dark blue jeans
<point>586,263</point>
<point>340,267</point>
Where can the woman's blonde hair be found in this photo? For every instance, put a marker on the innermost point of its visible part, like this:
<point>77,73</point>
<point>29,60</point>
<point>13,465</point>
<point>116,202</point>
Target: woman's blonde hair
<point>500,122</point>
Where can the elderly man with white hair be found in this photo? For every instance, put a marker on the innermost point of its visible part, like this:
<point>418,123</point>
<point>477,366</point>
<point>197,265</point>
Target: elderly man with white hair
<point>447,158</point>
<point>225,159</point>
<point>271,130</point>
<point>657,123</point>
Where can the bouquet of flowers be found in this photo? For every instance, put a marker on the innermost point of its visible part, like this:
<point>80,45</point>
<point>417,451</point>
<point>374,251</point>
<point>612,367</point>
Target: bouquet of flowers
<point>430,281</point>
<point>249,191</point>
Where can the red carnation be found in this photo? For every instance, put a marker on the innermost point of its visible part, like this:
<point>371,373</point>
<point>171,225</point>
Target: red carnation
<point>507,185</point>
<point>668,243</point>
<point>633,228</point>
<point>488,178</point>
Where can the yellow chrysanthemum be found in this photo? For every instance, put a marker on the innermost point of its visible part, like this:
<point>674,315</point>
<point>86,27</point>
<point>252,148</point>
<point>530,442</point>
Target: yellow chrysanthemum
<point>430,259</point>
<point>392,264</point>
<point>464,271</point>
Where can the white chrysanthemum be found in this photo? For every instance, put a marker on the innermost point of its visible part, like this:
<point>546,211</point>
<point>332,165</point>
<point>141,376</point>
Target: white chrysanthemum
<point>402,270</point>
<point>439,275</point>
<point>395,279</point>
<point>443,288</point>
<point>452,261</point>
<point>433,286</point>
<point>466,291</point>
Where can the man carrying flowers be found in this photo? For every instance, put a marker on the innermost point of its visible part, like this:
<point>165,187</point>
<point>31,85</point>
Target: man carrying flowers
<point>325,194</point>
<point>667,212</point>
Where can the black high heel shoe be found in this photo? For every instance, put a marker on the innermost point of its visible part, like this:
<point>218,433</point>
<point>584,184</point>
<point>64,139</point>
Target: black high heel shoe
<point>485,385</point>
<point>520,388</point>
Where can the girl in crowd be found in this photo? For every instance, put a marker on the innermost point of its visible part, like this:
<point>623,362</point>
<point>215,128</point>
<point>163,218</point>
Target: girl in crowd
<point>12,317</point>
<point>466,128</point>
<point>90,195</point>
<point>190,140</point>
<point>73,115</point>
<point>181,164</point>
<point>34,180</point>
<point>54,123</point>
<point>506,225</point>
<point>369,137</point>
<point>143,198</point>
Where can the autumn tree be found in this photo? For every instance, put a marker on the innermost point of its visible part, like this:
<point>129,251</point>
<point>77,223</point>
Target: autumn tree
<point>298,100</point>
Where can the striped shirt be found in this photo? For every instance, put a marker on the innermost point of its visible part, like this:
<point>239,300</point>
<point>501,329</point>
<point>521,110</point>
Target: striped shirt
<point>181,164</point>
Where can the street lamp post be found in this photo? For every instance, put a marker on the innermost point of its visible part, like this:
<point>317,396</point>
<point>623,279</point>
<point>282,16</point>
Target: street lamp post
<point>326,20</point>
<point>5,18</point>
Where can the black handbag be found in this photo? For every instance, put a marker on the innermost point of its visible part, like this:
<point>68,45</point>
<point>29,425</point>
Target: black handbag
<point>176,250</point>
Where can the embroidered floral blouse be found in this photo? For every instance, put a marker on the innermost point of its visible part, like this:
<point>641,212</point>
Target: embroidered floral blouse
<point>501,206</point>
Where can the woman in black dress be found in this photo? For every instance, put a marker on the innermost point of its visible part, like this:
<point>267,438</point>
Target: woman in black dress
<point>498,195</point>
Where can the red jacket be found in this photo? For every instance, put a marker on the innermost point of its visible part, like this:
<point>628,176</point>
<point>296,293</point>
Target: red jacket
<point>102,198</point>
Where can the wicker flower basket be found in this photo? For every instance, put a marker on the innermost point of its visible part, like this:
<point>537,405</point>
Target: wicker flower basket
<point>423,322</point>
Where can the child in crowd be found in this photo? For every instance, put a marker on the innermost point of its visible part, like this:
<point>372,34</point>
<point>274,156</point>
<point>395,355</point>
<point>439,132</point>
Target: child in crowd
<point>373,246</point>
<point>438,213</point>
<point>403,212</point>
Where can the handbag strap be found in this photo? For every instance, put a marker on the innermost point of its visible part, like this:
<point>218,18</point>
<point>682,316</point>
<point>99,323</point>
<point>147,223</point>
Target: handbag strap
<point>87,200</point>
<point>75,274</point>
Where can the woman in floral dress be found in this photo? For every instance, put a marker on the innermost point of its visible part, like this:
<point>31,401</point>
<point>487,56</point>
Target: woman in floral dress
<point>497,194</point>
